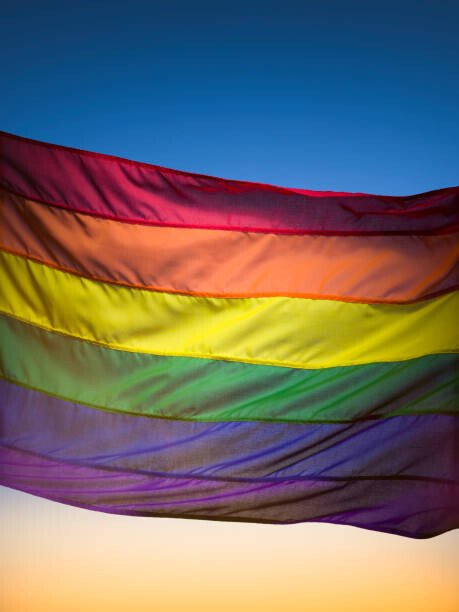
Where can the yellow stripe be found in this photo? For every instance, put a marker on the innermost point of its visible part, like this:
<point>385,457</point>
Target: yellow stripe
<point>282,331</point>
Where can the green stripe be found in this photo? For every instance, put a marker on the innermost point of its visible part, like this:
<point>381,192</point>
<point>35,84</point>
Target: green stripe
<point>206,390</point>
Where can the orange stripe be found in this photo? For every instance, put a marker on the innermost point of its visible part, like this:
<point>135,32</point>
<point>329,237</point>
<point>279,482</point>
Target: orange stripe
<point>231,264</point>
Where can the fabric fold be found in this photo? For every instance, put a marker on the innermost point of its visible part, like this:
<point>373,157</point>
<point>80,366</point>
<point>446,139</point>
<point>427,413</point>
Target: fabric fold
<point>405,447</point>
<point>410,508</point>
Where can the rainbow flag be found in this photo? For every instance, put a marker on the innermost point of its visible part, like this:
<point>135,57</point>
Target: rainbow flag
<point>179,345</point>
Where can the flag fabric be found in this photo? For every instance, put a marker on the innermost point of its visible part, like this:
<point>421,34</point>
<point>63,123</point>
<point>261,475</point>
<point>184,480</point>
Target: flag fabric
<point>179,345</point>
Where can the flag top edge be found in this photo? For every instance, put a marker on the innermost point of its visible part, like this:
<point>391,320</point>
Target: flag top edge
<point>240,182</point>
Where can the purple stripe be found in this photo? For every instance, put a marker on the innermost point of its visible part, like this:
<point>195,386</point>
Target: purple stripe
<point>411,508</point>
<point>399,475</point>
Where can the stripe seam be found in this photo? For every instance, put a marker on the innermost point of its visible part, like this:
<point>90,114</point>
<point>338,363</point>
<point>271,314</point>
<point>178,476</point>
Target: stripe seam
<point>284,364</point>
<point>306,296</point>
<point>243,229</point>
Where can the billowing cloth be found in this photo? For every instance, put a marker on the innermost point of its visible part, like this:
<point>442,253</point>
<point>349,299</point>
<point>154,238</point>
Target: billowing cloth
<point>179,345</point>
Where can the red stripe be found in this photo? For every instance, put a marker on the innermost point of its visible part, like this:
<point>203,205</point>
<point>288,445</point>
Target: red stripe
<point>134,192</point>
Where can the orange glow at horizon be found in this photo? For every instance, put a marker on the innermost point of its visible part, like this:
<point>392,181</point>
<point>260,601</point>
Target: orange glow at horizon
<point>56,558</point>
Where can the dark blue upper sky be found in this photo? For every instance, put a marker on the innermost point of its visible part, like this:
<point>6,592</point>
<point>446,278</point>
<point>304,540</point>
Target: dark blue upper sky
<point>352,96</point>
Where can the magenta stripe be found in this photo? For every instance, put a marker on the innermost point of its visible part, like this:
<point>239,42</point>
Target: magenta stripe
<point>133,192</point>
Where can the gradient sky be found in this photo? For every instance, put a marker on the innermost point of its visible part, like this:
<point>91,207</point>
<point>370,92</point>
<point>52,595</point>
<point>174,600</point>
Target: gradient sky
<point>348,96</point>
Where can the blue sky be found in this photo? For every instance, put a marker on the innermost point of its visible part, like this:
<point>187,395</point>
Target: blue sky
<point>347,96</point>
<point>352,96</point>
